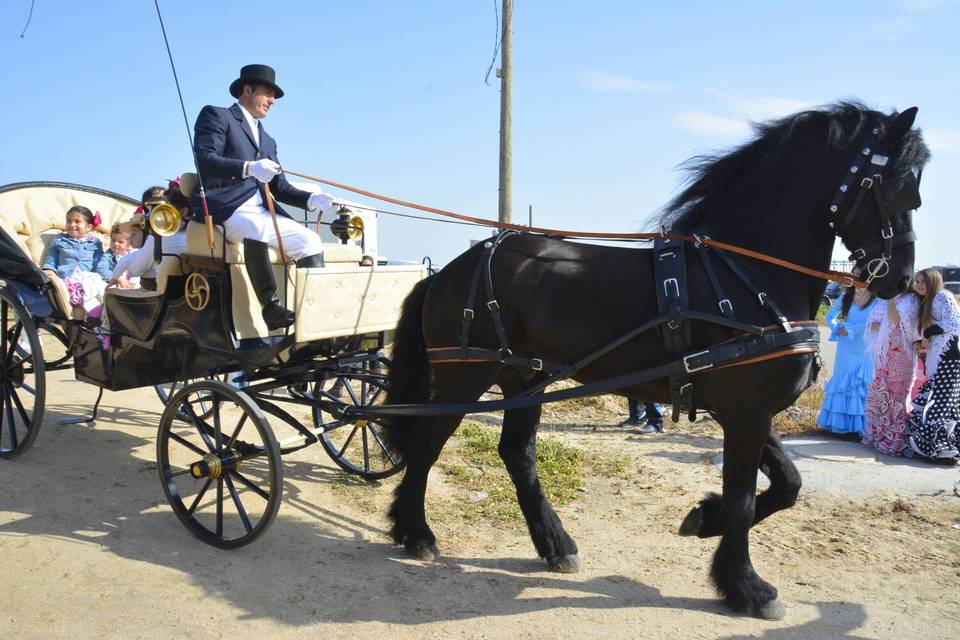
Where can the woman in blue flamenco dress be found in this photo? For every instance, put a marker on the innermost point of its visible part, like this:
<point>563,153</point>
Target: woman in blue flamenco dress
<point>842,411</point>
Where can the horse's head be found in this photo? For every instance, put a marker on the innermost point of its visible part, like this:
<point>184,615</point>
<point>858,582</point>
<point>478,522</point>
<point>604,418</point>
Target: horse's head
<point>872,207</point>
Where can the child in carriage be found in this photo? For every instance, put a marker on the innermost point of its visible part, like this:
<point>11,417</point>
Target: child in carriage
<point>73,255</point>
<point>140,262</point>
<point>120,245</point>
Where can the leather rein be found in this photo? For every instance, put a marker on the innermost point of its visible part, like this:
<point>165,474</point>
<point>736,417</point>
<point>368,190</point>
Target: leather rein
<point>875,268</point>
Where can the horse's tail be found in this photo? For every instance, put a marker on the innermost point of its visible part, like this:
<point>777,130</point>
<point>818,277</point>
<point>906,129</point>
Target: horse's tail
<point>410,369</point>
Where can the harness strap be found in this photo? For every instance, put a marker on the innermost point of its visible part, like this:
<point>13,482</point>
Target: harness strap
<point>454,355</point>
<point>726,307</point>
<point>469,311</point>
<point>800,340</point>
<point>765,301</point>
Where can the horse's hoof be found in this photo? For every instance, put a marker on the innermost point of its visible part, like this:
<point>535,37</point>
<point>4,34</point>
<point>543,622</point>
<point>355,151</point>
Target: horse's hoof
<point>773,610</point>
<point>565,564</point>
<point>423,551</point>
<point>692,523</point>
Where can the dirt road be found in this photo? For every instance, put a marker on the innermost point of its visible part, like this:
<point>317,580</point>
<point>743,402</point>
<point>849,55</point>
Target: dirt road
<point>89,548</point>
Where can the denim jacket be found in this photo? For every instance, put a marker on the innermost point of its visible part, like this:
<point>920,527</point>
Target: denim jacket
<point>106,264</point>
<point>67,254</point>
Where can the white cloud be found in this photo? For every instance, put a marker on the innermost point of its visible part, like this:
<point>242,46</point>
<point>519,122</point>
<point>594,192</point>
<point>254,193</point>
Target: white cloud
<point>709,124</point>
<point>601,81</point>
<point>942,139</point>
<point>760,108</point>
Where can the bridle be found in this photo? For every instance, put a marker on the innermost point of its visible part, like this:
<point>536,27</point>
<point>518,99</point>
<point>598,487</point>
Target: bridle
<point>867,176</point>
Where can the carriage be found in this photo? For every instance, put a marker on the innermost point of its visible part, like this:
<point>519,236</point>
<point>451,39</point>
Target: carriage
<point>198,337</point>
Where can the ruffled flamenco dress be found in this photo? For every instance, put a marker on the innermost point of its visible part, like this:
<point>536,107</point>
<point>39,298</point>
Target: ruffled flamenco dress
<point>842,411</point>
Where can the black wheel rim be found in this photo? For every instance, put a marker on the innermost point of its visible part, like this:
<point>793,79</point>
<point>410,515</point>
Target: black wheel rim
<point>358,446</point>
<point>221,471</point>
<point>22,377</point>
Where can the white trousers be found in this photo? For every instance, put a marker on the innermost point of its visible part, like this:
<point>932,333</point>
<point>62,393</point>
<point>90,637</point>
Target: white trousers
<point>252,221</point>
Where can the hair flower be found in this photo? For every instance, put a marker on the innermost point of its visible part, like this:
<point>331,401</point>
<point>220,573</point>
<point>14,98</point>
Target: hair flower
<point>97,219</point>
<point>139,211</point>
<point>173,184</point>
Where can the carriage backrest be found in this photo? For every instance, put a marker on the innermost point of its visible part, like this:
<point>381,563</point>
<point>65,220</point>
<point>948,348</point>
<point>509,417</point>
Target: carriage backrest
<point>33,213</point>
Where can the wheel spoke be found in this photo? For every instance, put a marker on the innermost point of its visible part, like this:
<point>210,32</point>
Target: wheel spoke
<point>351,392</point>
<point>14,340</point>
<point>383,447</point>
<point>196,500</point>
<point>12,393</point>
<point>201,427</point>
<point>347,443</point>
<point>189,445</point>
<point>219,507</point>
<point>236,431</point>
<point>366,450</point>
<point>4,312</point>
<point>217,434</point>
<point>8,411</point>
<point>239,504</point>
<point>248,483</point>
<point>28,388</point>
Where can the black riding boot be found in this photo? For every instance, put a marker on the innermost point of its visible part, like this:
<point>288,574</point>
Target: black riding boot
<point>316,260</point>
<point>256,258</point>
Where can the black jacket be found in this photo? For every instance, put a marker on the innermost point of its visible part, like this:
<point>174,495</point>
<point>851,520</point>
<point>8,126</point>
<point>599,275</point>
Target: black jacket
<point>223,141</point>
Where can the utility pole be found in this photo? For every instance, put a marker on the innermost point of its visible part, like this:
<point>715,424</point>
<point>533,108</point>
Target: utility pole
<point>506,121</point>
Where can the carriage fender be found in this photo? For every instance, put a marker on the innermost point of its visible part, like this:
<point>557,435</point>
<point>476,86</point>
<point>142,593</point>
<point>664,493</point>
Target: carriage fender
<point>35,301</point>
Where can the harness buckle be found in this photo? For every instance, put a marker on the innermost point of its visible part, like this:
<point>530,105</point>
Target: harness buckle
<point>867,183</point>
<point>887,233</point>
<point>536,364</point>
<point>468,314</point>
<point>494,306</point>
<point>762,296</point>
<point>676,288</point>
<point>857,255</point>
<point>689,369</point>
<point>726,302</point>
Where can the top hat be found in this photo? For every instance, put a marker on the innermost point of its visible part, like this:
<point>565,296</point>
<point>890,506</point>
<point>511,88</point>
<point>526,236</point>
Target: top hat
<point>255,74</point>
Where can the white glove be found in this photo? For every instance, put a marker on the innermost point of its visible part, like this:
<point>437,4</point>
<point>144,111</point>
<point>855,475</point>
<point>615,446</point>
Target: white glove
<point>322,200</point>
<point>263,170</point>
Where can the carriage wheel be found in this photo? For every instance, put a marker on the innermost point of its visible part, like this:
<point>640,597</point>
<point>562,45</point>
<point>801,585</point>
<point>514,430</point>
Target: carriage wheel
<point>167,390</point>
<point>220,469</point>
<point>358,445</point>
<point>22,376</point>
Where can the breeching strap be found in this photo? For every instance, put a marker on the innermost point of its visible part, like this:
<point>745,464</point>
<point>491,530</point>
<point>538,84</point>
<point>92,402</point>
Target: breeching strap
<point>845,279</point>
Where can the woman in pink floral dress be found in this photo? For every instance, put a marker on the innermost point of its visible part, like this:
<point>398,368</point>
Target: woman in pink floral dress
<point>892,330</point>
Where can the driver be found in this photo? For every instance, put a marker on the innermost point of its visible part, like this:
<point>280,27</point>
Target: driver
<point>237,158</point>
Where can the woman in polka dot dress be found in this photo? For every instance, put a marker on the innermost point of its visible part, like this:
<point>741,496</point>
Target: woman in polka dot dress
<point>932,425</point>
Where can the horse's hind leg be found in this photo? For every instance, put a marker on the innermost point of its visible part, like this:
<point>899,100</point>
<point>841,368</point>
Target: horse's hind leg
<point>421,440</point>
<point>732,571</point>
<point>706,520</point>
<point>518,450</point>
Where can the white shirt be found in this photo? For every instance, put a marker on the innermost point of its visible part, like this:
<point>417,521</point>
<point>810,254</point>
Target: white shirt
<point>256,199</point>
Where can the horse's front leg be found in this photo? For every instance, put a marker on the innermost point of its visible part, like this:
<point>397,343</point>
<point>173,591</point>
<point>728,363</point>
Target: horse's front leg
<point>706,520</point>
<point>732,571</point>
<point>518,450</point>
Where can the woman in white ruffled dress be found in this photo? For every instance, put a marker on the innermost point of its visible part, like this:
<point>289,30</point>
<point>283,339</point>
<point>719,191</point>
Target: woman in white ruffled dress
<point>932,425</point>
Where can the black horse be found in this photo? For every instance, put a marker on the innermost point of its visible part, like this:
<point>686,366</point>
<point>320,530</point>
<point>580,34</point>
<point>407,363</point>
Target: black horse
<point>783,194</point>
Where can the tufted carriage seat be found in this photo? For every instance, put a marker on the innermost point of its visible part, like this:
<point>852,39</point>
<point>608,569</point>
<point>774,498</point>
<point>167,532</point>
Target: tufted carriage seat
<point>33,214</point>
<point>339,299</point>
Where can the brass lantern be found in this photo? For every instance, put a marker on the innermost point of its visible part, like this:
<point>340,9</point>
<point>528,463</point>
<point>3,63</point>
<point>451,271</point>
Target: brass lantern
<point>347,226</point>
<point>165,219</point>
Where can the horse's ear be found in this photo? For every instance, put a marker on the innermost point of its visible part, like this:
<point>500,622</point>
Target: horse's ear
<point>900,125</point>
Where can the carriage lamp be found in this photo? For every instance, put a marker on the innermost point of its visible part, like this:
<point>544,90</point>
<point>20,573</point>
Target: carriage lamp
<point>164,218</point>
<point>347,226</point>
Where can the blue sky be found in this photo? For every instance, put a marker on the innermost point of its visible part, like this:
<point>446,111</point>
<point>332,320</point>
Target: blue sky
<point>609,97</point>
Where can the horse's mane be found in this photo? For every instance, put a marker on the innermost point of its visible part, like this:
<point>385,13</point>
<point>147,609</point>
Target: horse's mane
<point>710,176</point>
